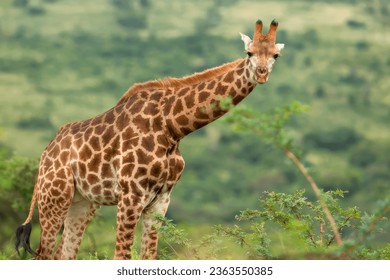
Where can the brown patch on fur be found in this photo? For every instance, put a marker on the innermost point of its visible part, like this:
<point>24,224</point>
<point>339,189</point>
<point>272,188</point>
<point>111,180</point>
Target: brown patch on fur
<point>151,109</point>
<point>94,164</point>
<point>203,95</point>
<point>182,120</point>
<point>178,107</point>
<point>148,143</point>
<point>106,171</point>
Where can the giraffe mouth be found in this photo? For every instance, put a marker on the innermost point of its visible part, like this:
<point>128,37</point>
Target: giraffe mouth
<point>262,79</point>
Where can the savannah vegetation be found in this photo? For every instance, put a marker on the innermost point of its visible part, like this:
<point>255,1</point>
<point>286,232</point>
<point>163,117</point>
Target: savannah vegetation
<point>242,194</point>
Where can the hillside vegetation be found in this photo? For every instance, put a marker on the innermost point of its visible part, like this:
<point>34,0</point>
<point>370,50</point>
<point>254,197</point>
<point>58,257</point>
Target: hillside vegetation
<point>63,61</point>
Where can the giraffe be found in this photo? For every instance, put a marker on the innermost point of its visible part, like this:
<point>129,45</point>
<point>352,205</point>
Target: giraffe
<point>129,156</point>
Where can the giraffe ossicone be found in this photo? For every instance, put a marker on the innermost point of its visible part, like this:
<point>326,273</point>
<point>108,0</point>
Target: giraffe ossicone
<point>129,156</point>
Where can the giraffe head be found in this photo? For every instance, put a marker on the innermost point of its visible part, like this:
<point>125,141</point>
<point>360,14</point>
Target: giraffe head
<point>262,51</point>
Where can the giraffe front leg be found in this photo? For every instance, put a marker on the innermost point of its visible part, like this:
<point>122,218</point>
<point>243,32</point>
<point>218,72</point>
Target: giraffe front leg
<point>149,224</point>
<point>129,212</point>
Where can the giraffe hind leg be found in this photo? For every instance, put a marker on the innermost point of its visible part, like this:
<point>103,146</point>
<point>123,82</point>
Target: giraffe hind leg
<point>54,202</point>
<point>80,213</point>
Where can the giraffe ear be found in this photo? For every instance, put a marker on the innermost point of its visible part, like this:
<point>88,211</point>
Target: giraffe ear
<point>279,46</point>
<point>246,40</point>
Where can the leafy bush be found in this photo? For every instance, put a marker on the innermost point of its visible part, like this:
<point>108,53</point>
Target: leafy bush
<point>287,226</point>
<point>36,122</point>
<point>355,24</point>
<point>362,156</point>
<point>36,10</point>
<point>20,3</point>
<point>17,177</point>
<point>136,22</point>
<point>334,139</point>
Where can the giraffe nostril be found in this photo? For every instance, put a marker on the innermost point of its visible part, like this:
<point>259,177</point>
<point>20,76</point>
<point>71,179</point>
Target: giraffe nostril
<point>262,70</point>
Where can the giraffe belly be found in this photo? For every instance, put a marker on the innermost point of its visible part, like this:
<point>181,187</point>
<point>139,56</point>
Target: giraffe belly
<point>141,180</point>
<point>108,192</point>
<point>103,192</point>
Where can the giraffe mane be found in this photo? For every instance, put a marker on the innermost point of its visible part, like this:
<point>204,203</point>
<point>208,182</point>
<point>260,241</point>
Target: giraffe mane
<point>180,82</point>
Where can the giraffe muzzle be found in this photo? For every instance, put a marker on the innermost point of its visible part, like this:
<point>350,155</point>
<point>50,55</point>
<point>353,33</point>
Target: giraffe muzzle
<point>262,74</point>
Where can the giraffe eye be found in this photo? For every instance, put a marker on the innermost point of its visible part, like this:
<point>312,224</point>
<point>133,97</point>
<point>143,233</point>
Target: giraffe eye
<point>249,54</point>
<point>275,56</point>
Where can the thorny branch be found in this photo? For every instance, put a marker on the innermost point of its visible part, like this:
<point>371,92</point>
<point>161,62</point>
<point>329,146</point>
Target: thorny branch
<point>317,192</point>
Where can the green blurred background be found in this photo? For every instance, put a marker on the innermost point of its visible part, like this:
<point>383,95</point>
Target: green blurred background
<point>68,60</point>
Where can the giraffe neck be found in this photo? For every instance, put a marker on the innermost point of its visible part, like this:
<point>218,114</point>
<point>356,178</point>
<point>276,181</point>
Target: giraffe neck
<point>191,107</point>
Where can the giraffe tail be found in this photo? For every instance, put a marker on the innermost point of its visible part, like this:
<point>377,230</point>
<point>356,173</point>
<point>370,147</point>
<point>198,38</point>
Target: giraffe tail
<point>23,232</point>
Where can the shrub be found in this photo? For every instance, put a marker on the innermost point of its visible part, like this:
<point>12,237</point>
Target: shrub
<point>335,139</point>
<point>37,122</point>
<point>355,24</point>
<point>17,177</point>
<point>287,226</point>
<point>20,3</point>
<point>36,10</point>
